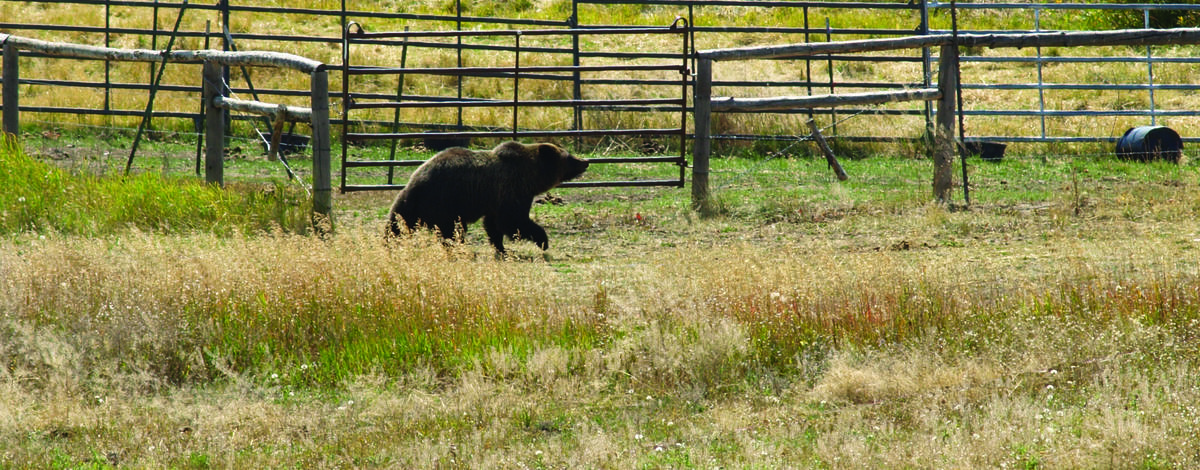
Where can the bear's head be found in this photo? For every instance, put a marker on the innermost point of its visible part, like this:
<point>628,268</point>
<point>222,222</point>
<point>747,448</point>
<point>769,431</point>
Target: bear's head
<point>556,161</point>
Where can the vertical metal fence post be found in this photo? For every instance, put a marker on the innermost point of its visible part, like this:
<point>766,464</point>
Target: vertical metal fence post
<point>683,111</point>
<point>926,65</point>
<point>702,144</point>
<point>154,36</point>
<point>1037,26</point>
<point>692,31</point>
<point>459,54</point>
<point>807,59</point>
<point>391,176</point>
<point>958,106</point>
<point>12,117</point>
<point>1150,73</point>
<point>107,64</point>
<point>832,90</point>
<point>214,123</point>
<point>198,120</point>
<point>347,99</point>
<point>576,77</point>
<point>226,45</point>
<point>516,82</point>
<point>322,175</point>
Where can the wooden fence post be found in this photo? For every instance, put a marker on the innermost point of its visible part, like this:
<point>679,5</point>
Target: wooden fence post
<point>943,144</point>
<point>322,175</point>
<point>702,144</point>
<point>214,125</point>
<point>12,119</point>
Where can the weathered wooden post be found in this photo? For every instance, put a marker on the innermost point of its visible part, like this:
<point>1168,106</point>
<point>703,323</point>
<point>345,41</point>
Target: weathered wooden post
<point>943,143</point>
<point>214,125</point>
<point>322,175</point>
<point>12,120</point>
<point>702,144</point>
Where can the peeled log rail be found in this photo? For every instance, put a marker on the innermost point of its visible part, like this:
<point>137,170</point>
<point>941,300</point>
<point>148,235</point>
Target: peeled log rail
<point>249,59</point>
<point>783,103</point>
<point>812,49</point>
<point>277,111</point>
<point>1122,37</point>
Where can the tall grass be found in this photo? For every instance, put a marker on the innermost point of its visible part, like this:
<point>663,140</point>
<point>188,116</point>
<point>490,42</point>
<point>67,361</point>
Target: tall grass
<point>747,353</point>
<point>191,309</point>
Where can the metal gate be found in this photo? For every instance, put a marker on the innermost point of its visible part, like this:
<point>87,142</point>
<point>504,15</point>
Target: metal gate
<point>359,130</point>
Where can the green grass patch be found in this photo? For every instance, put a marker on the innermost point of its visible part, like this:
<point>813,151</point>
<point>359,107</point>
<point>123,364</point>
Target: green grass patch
<point>41,197</point>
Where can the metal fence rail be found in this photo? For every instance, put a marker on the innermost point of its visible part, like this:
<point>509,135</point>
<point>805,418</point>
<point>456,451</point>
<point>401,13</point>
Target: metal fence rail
<point>221,14</point>
<point>947,94</point>
<point>359,131</point>
<point>1044,115</point>
<point>227,12</point>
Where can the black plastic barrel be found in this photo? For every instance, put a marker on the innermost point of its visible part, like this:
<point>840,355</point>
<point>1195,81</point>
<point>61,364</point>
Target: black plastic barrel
<point>988,151</point>
<point>1146,143</point>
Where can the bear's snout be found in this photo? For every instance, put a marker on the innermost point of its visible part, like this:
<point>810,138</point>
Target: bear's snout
<point>576,168</point>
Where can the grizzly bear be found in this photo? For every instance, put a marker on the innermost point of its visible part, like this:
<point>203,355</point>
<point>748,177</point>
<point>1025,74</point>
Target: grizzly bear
<point>458,186</point>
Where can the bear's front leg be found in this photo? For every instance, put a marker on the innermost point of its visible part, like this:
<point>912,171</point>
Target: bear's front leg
<point>495,232</point>
<point>530,230</point>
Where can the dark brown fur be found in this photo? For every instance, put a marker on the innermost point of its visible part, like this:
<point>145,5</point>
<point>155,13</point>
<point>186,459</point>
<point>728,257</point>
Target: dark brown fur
<point>457,187</point>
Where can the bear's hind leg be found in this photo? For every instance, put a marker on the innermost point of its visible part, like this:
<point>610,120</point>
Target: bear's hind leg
<point>401,210</point>
<point>393,225</point>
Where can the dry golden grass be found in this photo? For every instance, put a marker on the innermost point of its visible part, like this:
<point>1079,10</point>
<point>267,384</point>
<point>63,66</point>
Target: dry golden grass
<point>1067,346</point>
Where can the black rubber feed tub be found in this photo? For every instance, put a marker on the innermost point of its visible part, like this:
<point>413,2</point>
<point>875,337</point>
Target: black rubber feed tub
<point>1147,143</point>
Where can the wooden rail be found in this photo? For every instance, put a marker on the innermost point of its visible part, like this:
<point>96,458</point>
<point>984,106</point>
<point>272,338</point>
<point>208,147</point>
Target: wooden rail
<point>215,92</point>
<point>784,103</point>
<point>276,111</point>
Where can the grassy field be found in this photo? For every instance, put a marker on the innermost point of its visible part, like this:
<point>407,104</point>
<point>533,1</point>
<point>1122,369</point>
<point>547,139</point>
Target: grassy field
<point>811,323</point>
<point>148,321</point>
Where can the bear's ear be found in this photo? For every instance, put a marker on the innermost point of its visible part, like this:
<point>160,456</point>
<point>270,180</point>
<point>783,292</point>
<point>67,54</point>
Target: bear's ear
<point>549,152</point>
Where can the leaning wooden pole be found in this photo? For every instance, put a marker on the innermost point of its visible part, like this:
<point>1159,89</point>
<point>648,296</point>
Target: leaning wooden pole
<point>322,175</point>
<point>825,149</point>
<point>943,146</point>
<point>702,144</point>
<point>12,116</point>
